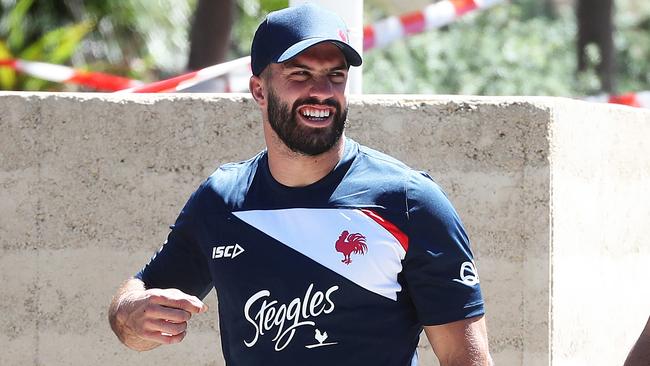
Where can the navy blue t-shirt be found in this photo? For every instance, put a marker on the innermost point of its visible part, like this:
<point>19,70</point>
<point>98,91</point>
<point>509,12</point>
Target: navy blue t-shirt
<point>345,271</point>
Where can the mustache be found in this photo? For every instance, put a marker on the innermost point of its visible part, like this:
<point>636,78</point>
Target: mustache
<point>313,101</point>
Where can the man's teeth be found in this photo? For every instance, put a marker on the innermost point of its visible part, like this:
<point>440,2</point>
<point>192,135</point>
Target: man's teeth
<point>310,112</point>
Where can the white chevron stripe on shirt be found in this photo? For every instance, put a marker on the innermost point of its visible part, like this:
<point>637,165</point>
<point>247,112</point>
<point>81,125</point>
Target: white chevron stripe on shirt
<point>315,233</point>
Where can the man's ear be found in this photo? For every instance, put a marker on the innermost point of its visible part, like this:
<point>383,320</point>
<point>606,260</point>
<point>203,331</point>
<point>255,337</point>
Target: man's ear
<point>256,87</point>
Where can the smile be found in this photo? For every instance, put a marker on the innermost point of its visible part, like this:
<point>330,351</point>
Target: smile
<point>315,112</point>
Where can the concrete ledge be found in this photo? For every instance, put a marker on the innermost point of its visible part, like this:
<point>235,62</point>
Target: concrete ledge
<point>553,193</point>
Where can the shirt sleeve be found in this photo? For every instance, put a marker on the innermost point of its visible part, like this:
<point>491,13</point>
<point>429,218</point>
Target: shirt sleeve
<point>439,267</point>
<point>179,263</point>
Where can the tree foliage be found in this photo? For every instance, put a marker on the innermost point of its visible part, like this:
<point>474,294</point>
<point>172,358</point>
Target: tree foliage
<point>506,50</point>
<point>139,39</point>
<point>633,47</point>
<point>17,40</point>
<point>475,56</point>
<point>250,14</point>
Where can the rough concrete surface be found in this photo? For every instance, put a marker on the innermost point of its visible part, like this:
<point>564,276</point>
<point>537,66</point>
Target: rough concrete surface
<point>552,192</point>
<point>600,163</point>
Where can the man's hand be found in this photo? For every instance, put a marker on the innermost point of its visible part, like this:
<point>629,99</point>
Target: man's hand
<point>144,319</point>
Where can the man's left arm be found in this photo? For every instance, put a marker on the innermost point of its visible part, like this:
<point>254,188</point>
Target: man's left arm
<point>442,277</point>
<point>460,343</point>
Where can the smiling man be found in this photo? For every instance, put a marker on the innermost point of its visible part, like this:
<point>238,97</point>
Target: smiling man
<point>322,251</point>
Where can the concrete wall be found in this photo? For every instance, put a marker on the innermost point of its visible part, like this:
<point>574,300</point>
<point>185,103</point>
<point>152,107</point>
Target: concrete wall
<point>552,191</point>
<point>600,224</point>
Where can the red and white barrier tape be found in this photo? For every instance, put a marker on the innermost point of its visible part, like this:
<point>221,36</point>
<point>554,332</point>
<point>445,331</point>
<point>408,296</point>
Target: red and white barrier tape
<point>639,99</point>
<point>64,74</point>
<point>432,16</point>
<point>187,81</point>
<point>237,73</point>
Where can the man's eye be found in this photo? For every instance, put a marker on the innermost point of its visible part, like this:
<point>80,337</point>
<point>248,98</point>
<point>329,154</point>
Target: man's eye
<point>337,77</point>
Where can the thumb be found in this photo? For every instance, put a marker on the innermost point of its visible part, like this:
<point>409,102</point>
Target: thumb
<point>203,309</point>
<point>174,298</point>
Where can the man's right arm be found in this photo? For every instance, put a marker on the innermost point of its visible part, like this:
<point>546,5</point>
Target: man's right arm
<point>640,353</point>
<point>144,318</point>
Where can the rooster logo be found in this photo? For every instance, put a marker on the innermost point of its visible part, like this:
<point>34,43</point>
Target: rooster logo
<point>343,36</point>
<point>351,244</point>
<point>320,338</point>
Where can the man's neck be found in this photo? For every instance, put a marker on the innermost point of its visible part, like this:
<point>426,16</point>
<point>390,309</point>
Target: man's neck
<point>298,170</point>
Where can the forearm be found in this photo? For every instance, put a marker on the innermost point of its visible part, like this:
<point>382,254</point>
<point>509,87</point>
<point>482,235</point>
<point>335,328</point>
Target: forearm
<point>118,312</point>
<point>461,343</point>
<point>472,356</point>
<point>482,359</point>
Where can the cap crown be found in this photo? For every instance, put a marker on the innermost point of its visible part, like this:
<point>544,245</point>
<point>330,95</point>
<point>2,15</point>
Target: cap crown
<point>287,32</point>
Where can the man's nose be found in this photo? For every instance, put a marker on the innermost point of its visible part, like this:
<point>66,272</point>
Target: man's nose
<point>321,88</point>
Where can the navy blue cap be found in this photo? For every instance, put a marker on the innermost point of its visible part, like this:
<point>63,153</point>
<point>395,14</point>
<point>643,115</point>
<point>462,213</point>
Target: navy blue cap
<point>286,33</point>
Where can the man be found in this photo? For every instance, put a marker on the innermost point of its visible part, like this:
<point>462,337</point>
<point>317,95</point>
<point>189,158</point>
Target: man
<point>640,353</point>
<point>322,251</point>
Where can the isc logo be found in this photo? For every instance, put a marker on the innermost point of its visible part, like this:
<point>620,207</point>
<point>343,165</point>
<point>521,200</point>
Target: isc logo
<point>227,251</point>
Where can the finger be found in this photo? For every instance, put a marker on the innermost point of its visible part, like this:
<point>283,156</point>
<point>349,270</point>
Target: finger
<point>183,301</point>
<point>163,339</point>
<point>156,311</point>
<point>163,326</point>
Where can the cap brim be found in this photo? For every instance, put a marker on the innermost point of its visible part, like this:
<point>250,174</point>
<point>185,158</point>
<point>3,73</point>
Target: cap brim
<point>351,55</point>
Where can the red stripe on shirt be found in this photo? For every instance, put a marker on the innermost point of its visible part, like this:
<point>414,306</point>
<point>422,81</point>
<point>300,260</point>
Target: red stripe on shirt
<point>402,238</point>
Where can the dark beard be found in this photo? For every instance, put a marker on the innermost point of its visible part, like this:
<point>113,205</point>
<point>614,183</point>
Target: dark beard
<point>299,138</point>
